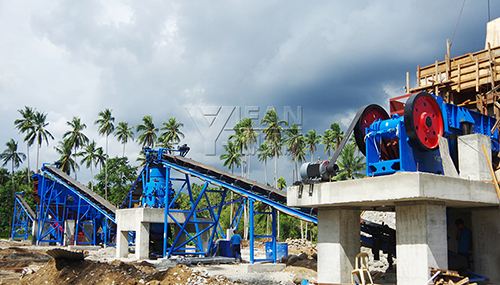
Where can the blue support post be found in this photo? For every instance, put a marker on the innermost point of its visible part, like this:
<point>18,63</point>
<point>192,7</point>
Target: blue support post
<point>250,206</point>
<point>167,204</point>
<point>275,222</point>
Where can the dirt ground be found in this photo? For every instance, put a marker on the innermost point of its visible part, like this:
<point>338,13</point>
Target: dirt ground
<point>21,263</point>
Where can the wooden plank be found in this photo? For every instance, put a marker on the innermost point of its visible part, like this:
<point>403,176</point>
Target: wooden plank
<point>463,281</point>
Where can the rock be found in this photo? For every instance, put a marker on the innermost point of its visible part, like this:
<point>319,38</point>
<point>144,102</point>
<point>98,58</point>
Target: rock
<point>292,259</point>
<point>314,256</point>
<point>297,279</point>
<point>284,259</point>
<point>303,256</point>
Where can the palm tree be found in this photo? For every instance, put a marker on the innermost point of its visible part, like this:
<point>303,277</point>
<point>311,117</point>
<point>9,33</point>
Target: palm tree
<point>239,142</point>
<point>273,136</point>
<point>75,138</point>
<point>281,183</point>
<point>16,158</point>
<point>39,133</point>
<point>172,134</point>
<point>90,157</point>
<point>337,134</point>
<point>249,137</point>
<point>351,163</point>
<point>264,153</point>
<point>123,132</point>
<point>68,164</point>
<point>25,125</point>
<point>312,141</point>
<point>100,158</point>
<point>106,127</point>
<point>328,140</point>
<point>232,156</point>
<point>295,142</point>
<point>148,129</point>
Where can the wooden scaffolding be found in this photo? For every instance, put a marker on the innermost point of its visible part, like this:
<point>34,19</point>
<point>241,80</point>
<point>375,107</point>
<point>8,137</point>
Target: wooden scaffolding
<point>471,80</point>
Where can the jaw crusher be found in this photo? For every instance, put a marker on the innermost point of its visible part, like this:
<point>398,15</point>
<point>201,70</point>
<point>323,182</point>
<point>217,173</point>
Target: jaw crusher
<point>409,139</point>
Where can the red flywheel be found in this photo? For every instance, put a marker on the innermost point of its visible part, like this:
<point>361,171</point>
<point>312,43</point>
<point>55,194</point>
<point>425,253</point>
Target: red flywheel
<point>368,115</point>
<point>423,121</point>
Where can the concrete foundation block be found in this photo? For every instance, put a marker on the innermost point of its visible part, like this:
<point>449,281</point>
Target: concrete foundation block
<point>338,243</point>
<point>485,229</point>
<point>471,160</point>
<point>420,240</point>
<point>265,267</point>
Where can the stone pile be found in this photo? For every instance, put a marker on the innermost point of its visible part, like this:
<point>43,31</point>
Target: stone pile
<point>301,245</point>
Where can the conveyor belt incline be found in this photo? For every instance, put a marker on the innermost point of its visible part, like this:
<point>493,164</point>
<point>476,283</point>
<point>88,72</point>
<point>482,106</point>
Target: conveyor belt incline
<point>100,202</point>
<point>244,183</point>
<point>237,184</point>
<point>26,207</point>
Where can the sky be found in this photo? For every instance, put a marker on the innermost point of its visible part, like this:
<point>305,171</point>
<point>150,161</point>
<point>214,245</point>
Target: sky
<point>211,63</point>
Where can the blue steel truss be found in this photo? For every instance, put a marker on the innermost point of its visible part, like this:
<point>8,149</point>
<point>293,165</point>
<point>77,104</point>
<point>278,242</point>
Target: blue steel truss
<point>250,192</point>
<point>22,221</point>
<point>159,185</point>
<point>63,198</point>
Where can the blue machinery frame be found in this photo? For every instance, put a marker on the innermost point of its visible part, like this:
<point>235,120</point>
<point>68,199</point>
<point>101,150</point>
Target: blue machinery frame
<point>161,181</point>
<point>162,159</point>
<point>22,221</point>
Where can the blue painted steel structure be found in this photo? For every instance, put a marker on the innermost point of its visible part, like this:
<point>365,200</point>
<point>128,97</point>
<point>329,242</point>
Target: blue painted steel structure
<point>163,180</point>
<point>389,147</point>
<point>166,176</point>
<point>22,221</point>
<point>63,198</point>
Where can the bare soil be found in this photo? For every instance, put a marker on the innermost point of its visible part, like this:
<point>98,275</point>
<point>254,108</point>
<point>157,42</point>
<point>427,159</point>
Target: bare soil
<point>24,264</point>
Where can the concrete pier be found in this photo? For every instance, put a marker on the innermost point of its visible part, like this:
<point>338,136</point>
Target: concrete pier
<point>138,220</point>
<point>420,201</point>
<point>338,236</point>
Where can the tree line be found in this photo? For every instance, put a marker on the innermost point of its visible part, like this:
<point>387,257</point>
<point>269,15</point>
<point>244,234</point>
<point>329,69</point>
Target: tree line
<point>279,138</point>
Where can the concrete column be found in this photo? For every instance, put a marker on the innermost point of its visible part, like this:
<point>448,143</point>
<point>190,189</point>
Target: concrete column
<point>182,238</point>
<point>69,232</point>
<point>142,241</point>
<point>471,161</point>
<point>485,236</point>
<point>338,244</point>
<point>122,244</point>
<point>420,240</point>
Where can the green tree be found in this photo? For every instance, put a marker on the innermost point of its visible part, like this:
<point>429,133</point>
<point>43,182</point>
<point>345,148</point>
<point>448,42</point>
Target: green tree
<point>249,136</point>
<point>121,177</point>
<point>337,134</point>
<point>67,162</point>
<point>74,139</point>
<point>90,158</point>
<point>106,127</point>
<point>281,183</point>
<point>39,134</point>
<point>232,156</point>
<point>25,125</point>
<point>273,133</point>
<point>172,134</point>
<point>10,154</point>
<point>148,136</point>
<point>295,142</point>
<point>332,138</point>
<point>350,163</point>
<point>239,144</point>
<point>265,152</point>
<point>123,132</point>
<point>312,141</point>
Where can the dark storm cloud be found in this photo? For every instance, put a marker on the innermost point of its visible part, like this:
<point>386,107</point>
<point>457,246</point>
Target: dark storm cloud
<point>158,57</point>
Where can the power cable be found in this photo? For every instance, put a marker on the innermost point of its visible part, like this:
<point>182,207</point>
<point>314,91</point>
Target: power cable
<point>456,27</point>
